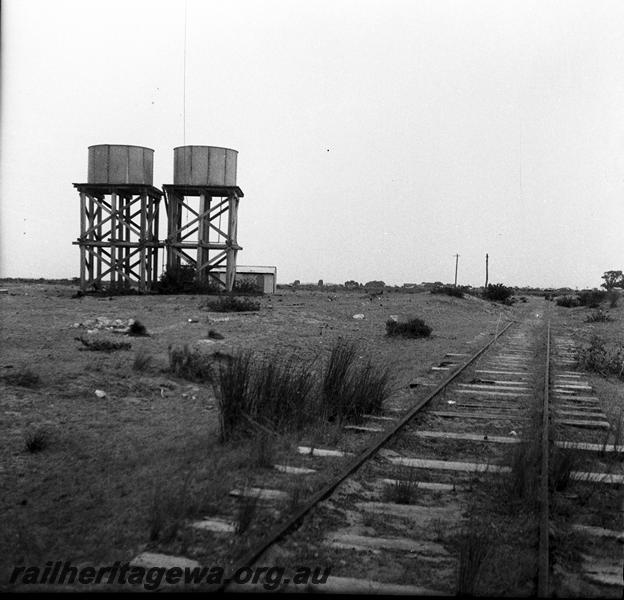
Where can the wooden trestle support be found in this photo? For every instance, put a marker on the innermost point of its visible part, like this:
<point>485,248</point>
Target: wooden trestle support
<point>118,235</point>
<point>202,241</point>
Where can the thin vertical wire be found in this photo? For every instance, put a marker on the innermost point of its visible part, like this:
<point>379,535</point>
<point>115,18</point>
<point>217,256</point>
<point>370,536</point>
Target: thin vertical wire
<point>184,81</point>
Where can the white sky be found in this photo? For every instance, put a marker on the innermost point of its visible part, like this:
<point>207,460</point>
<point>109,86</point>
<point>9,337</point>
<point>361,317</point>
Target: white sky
<point>376,138</point>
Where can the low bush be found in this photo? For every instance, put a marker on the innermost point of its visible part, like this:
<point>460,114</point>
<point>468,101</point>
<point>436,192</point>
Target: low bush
<point>245,286</point>
<point>448,290</point>
<point>414,328</point>
<point>232,304</point>
<point>137,329</point>
<point>497,292</point>
<point>183,280</point>
<point>567,301</point>
<point>591,298</point>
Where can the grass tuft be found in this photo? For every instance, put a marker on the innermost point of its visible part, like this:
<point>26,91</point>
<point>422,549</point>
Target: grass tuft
<point>351,388</point>
<point>246,509</point>
<point>598,316</point>
<point>36,440</point>
<point>142,361</point>
<point>404,490</point>
<point>474,548</point>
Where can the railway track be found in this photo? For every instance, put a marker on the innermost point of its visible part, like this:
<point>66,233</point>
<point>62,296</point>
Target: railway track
<point>469,491</point>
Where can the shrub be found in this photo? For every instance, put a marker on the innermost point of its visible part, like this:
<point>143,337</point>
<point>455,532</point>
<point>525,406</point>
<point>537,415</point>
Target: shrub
<point>232,304</point>
<point>591,298</point>
<point>23,378</point>
<point>183,280</point>
<point>137,329</point>
<point>414,328</point>
<point>603,359</point>
<point>613,296</point>
<point>448,290</point>
<point>497,292</point>
<point>567,301</point>
<point>246,286</point>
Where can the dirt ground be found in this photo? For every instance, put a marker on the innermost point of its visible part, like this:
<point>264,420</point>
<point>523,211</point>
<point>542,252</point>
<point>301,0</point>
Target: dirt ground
<point>90,496</point>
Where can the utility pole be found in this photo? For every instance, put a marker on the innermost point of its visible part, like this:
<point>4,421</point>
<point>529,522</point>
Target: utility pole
<point>486,270</point>
<point>456,261</point>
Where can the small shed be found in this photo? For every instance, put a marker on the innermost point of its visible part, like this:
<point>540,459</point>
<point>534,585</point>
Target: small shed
<point>264,278</point>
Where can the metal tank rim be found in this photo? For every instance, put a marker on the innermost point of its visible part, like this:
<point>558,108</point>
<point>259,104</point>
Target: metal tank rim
<point>121,146</point>
<point>205,146</point>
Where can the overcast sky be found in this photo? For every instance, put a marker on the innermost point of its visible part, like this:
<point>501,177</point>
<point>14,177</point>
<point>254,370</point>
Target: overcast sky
<point>376,139</point>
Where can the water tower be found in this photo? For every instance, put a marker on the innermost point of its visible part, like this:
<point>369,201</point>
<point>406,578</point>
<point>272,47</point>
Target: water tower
<point>119,219</point>
<point>202,212</point>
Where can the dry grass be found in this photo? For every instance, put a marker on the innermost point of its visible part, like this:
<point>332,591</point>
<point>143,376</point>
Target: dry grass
<point>95,489</point>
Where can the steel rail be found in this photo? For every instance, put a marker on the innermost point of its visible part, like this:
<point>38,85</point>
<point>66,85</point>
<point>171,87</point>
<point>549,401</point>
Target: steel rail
<point>543,549</point>
<point>282,529</point>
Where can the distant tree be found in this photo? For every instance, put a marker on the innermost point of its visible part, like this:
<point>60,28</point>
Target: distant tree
<point>612,279</point>
<point>320,283</point>
<point>352,284</point>
<point>296,283</point>
<point>374,284</point>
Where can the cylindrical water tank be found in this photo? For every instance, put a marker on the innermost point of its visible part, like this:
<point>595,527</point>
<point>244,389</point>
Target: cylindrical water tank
<point>204,165</point>
<point>119,164</point>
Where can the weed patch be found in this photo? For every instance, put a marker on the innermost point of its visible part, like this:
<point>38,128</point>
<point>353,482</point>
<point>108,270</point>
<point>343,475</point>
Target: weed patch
<point>598,316</point>
<point>404,489</point>
<point>189,364</point>
<point>602,358</point>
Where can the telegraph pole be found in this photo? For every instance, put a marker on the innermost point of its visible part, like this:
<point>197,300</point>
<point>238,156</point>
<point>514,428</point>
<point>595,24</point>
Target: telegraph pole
<point>456,261</point>
<point>486,270</point>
